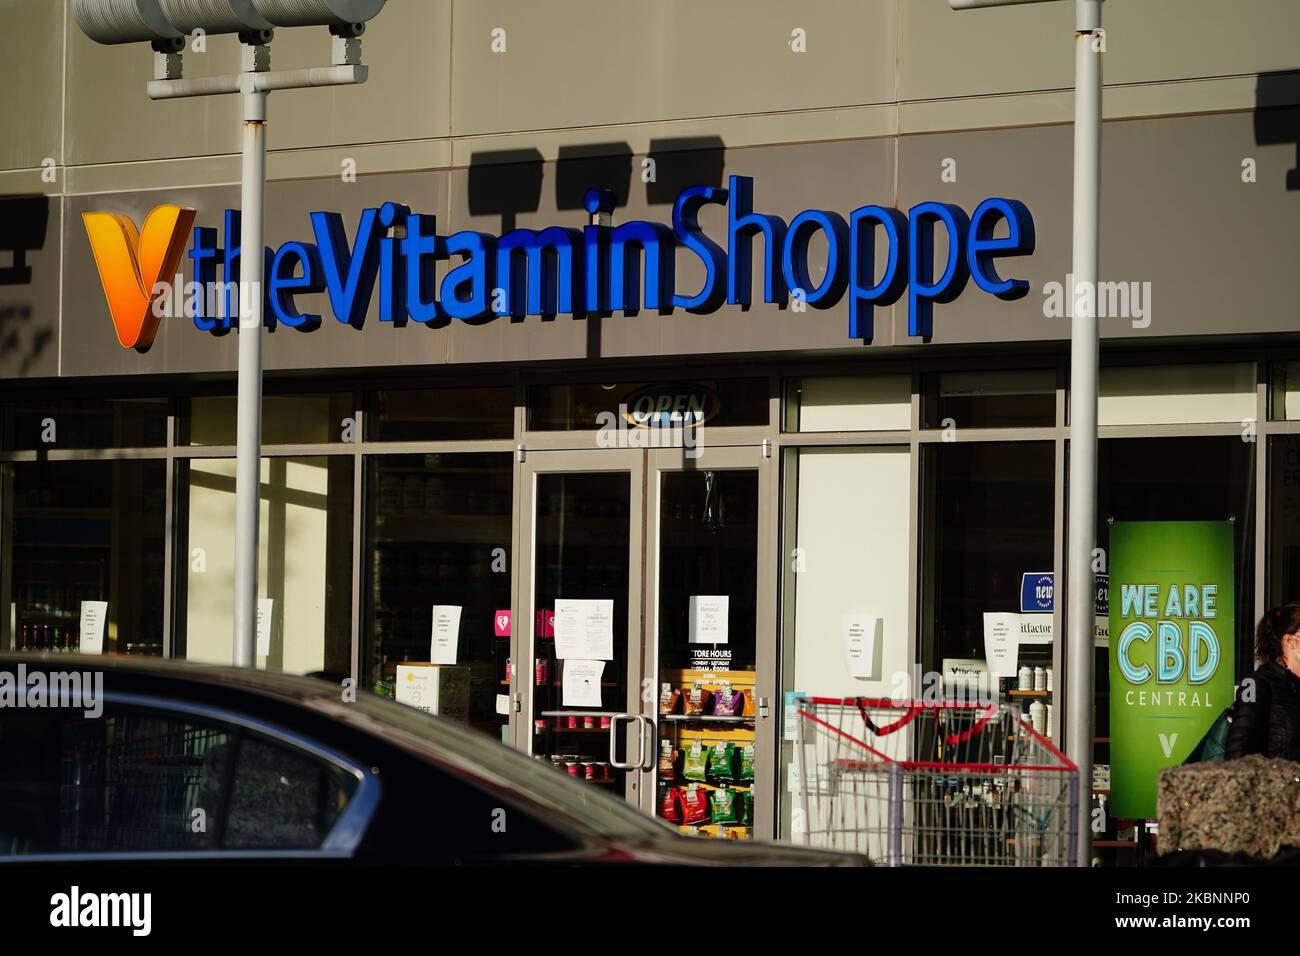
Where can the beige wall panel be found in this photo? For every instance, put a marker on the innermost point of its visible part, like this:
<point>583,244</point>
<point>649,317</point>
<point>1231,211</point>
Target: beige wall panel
<point>598,62</point>
<point>946,53</point>
<point>407,95</point>
<point>31,91</point>
<point>29,286</point>
<point>110,118</point>
<point>1174,213</point>
<point>1182,39</point>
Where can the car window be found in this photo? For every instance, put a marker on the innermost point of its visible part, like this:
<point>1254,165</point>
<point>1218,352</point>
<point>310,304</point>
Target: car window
<point>282,798</point>
<point>152,780</point>
<point>576,807</point>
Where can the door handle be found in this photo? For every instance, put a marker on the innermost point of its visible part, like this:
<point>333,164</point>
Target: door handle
<point>613,743</point>
<point>648,752</point>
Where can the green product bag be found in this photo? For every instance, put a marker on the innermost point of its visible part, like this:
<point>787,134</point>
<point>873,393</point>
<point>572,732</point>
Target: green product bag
<point>747,763</point>
<point>695,764</point>
<point>722,762</point>
<point>725,806</point>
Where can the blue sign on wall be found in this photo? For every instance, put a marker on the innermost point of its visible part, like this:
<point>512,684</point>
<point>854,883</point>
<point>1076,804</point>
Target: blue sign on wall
<point>1038,593</point>
<point>599,269</point>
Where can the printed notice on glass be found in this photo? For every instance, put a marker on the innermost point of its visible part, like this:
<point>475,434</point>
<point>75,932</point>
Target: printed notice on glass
<point>584,630</point>
<point>708,615</point>
<point>265,612</point>
<point>859,632</point>
<point>1101,632</point>
<point>790,721</point>
<point>581,681</point>
<point>1002,643</point>
<point>93,615</point>
<point>446,633</point>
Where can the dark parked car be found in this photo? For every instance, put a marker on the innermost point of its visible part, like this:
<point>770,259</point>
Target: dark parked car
<point>183,761</point>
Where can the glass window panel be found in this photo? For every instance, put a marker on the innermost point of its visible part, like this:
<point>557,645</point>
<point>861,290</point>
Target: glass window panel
<point>1181,479</point>
<point>581,551</point>
<point>1283,520</point>
<point>438,532</point>
<point>84,423</point>
<point>584,406</point>
<point>996,399</point>
<point>286,419</point>
<point>441,414</point>
<point>708,548</point>
<point>1284,392</point>
<point>1175,394</point>
<point>304,562</point>
<point>866,403</point>
<point>989,511</point>
<point>85,531</point>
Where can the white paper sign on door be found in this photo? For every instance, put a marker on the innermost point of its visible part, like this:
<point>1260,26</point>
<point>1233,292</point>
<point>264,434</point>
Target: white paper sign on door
<point>265,614</point>
<point>93,616</point>
<point>1101,633</point>
<point>584,629</point>
<point>1002,642</point>
<point>445,639</point>
<point>581,683</point>
<point>859,632</point>
<point>708,615</point>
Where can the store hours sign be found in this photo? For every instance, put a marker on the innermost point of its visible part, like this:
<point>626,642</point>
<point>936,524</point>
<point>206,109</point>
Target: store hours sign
<point>1172,627</point>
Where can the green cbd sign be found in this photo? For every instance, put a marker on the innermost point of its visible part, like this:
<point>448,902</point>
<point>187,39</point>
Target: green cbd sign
<point>1171,649</point>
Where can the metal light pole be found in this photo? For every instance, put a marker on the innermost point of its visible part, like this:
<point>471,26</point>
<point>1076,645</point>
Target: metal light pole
<point>165,24</point>
<point>1081,529</point>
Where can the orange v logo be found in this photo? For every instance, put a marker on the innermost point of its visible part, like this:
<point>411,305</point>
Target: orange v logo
<point>132,262</point>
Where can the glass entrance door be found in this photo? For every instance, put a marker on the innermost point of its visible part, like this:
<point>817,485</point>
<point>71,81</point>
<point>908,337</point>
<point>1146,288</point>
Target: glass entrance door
<point>577,662</point>
<point>710,630</point>
<point>643,648</point>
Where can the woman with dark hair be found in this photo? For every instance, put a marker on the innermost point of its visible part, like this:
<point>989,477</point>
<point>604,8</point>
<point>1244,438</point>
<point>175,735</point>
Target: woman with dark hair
<point>1266,717</point>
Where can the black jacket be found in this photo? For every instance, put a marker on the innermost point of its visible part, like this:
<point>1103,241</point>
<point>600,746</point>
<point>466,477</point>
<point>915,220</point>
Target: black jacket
<point>1269,724</point>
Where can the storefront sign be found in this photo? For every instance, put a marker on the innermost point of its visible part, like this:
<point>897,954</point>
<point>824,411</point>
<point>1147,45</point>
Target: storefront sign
<point>679,405</point>
<point>1038,593</point>
<point>590,271</point>
<point>1171,665</point>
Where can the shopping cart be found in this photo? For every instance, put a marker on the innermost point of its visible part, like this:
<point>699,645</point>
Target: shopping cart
<point>919,784</point>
